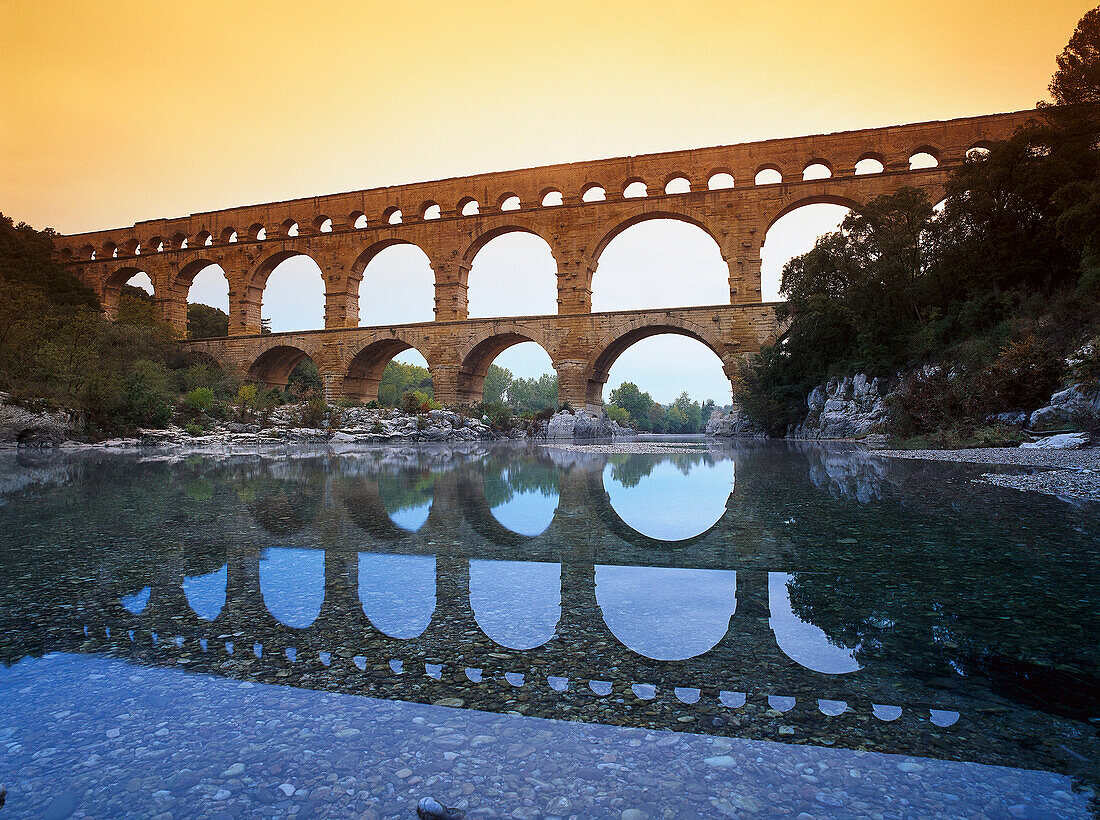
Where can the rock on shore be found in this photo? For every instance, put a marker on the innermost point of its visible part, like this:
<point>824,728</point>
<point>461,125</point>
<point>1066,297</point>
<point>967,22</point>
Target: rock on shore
<point>581,425</point>
<point>31,427</point>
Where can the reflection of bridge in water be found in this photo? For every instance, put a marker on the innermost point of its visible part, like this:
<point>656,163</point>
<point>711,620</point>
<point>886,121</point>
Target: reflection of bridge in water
<point>743,677</point>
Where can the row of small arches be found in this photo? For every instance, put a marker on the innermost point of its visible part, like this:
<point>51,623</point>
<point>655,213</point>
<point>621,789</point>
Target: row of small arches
<point>633,188</point>
<point>687,695</point>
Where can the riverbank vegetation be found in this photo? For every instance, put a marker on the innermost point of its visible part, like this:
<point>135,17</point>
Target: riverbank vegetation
<point>984,305</point>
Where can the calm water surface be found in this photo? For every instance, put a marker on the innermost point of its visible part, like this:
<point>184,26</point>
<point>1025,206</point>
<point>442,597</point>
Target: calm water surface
<point>522,631</point>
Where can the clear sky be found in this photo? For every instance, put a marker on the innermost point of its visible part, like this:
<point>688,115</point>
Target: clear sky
<point>114,112</point>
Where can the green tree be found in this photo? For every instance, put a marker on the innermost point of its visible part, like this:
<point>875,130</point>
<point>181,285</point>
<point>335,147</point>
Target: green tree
<point>205,322</point>
<point>497,382</point>
<point>399,379</point>
<point>637,404</point>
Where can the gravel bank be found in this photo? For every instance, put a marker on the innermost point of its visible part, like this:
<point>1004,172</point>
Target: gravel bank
<point>634,447</point>
<point>1065,473</point>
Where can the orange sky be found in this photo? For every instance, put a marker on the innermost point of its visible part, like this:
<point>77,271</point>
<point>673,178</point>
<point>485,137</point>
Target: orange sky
<point>114,112</point>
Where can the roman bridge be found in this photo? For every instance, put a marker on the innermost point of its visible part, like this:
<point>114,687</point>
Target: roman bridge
<point>734,193</point>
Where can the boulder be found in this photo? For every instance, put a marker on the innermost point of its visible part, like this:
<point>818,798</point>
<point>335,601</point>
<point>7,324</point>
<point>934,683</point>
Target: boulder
<point>1062,441</point>
<point>734,424</point>
<point>1073,408</point>
<point>582,424</point>
<point>30,427</point>
<point>848,407</point>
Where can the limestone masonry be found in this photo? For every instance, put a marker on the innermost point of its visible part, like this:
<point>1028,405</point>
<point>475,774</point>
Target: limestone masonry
<point>452,219</point>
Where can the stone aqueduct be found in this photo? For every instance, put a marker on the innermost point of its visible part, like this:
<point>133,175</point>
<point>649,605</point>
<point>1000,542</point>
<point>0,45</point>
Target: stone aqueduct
<point>452,219</point>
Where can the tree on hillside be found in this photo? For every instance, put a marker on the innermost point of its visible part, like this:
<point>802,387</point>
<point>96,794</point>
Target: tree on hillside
<point>1077,79</point>
<point>205,322</point>
<point>26,260</point>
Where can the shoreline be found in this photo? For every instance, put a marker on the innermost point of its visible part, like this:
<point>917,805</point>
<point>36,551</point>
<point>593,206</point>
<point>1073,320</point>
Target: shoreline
<point>1066,474</point>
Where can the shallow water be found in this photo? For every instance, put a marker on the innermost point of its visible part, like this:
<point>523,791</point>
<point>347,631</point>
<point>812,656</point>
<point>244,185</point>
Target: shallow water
<point>524,631</point>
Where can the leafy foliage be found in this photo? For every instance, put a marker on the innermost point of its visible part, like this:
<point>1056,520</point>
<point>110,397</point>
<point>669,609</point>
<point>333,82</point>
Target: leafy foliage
<point>205,322</point>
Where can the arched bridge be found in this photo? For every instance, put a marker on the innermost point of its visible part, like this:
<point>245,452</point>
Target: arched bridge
<point>733,193</point>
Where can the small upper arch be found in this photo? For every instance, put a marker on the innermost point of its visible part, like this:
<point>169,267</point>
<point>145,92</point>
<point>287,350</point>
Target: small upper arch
<point>817,169</point>
<point>429,209</point>
<point>593,192</point>
<point>257,232</point>
<point>468,206</point>
<point>768,174</point>
<point>550,197</point>
<point>979,150</point>
<point>677,183</point>
<point>156,244</point>
<point>508,202</point>
<point>870,162</point>
<point>635,188</point>
<point>392,215</point>
<point>131,247</point>
<point>357,220</point>
<point>228,235</point>
<point>110,250</point>
<point>719,179</point>
<point>86,252</point>
<point>178,241</point>
<point>924,156</point>
<point>290,227</point>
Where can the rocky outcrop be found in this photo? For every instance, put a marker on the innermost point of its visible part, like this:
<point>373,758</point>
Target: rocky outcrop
<point>580,424</point>
<point>849,407</point>
<point>1060,441</point>
<point>29,427</point>
<point>1075,408</point>
<point>734,424</point>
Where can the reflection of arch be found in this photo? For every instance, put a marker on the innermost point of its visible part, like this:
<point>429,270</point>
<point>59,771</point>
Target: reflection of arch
<point>364,371</point>
<point>206,593</point>
<point>274,365</point>
<point>476,513</point>
<point>612,229</point>
<point>694,490</point>
<point>363,502</point>
<point>284,507</point>
<point>517,604</point>
<point>801,641</point>
<point>609,517</point>
<point>398,592</point>
<point>292,584</point>
<point>666,613</point>
<point>613,345</point>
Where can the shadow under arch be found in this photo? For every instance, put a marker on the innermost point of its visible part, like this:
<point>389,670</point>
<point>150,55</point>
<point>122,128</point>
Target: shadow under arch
<point>364,371</point>
<point>112,284</point>
<point>483,350</point>
<point>274,366</point>
<point>614,345</point>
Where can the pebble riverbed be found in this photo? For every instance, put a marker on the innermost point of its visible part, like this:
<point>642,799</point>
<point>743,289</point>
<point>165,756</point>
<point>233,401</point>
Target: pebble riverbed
<point>1071,474</point>
<point>98,737</point>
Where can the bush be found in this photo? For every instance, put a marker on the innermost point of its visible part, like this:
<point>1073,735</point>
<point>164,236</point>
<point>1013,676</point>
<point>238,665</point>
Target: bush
<point>1023,376</point>
<point>193,428</point>
<point>199,400</point>
<point>314,410</point>
<point>419,403</point>
<point>246,395</point>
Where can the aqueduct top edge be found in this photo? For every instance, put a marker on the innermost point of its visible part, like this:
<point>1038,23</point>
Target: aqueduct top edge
<point>841,149</point>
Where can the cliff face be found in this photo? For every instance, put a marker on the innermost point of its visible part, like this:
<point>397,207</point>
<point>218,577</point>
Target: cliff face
<point>851,407</point>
